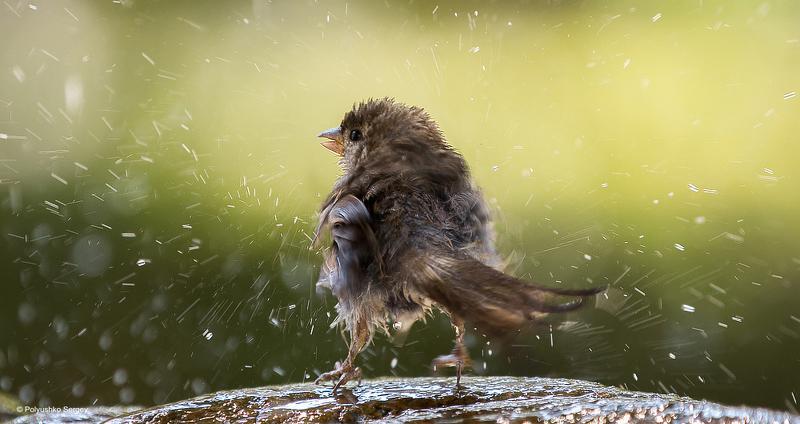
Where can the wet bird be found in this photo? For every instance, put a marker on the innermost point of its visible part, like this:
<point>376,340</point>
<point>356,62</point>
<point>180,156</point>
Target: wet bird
<point>410,231</point>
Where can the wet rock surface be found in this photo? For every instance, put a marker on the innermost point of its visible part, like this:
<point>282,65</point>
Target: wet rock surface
<point>492,399</point>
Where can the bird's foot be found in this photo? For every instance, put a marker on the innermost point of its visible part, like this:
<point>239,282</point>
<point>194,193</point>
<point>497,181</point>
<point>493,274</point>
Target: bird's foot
<point>342,374</point>
<point>451,360</point>
<point>354,373</point>
<point>458,359</point>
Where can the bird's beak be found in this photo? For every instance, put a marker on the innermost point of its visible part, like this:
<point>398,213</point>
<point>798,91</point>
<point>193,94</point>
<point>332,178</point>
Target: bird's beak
<point>336,143</point>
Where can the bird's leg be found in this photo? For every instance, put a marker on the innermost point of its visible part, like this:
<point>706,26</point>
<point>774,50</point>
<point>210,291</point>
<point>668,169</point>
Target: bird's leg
<point>459,358</point>
<point>346,370</point>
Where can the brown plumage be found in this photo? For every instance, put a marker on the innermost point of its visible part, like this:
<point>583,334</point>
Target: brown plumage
<point>411,231</point>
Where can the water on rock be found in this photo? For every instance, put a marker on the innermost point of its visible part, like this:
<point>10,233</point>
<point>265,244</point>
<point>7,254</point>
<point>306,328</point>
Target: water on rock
<point>490,399</point>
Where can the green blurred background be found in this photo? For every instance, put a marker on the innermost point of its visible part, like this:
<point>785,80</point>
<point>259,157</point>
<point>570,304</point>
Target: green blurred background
<point>159,177</point>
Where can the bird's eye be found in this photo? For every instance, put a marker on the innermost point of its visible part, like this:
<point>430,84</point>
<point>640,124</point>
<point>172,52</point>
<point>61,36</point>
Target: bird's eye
<point>355,135</point>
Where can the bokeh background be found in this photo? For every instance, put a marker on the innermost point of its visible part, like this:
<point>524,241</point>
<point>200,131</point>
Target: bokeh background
<point>159,177</point>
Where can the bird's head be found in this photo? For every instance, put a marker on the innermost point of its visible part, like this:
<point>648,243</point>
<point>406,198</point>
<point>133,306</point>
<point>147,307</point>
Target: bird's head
<point>384,130</point>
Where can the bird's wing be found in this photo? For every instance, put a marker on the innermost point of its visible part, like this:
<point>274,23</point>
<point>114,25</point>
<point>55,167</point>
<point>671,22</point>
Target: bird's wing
<point>354,248</point>
<point>491,300</point>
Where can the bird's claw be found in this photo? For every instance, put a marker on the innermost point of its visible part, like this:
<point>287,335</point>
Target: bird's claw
<point>451,360</point>
<point>458,359</point>
<point>342,374</point>
<point>351,374</point>
<point>328,376</point>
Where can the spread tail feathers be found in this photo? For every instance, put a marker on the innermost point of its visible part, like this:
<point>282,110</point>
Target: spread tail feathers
<point>491,300</point>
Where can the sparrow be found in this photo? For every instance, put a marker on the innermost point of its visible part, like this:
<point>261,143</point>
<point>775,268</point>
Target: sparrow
<point>410,231</point>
